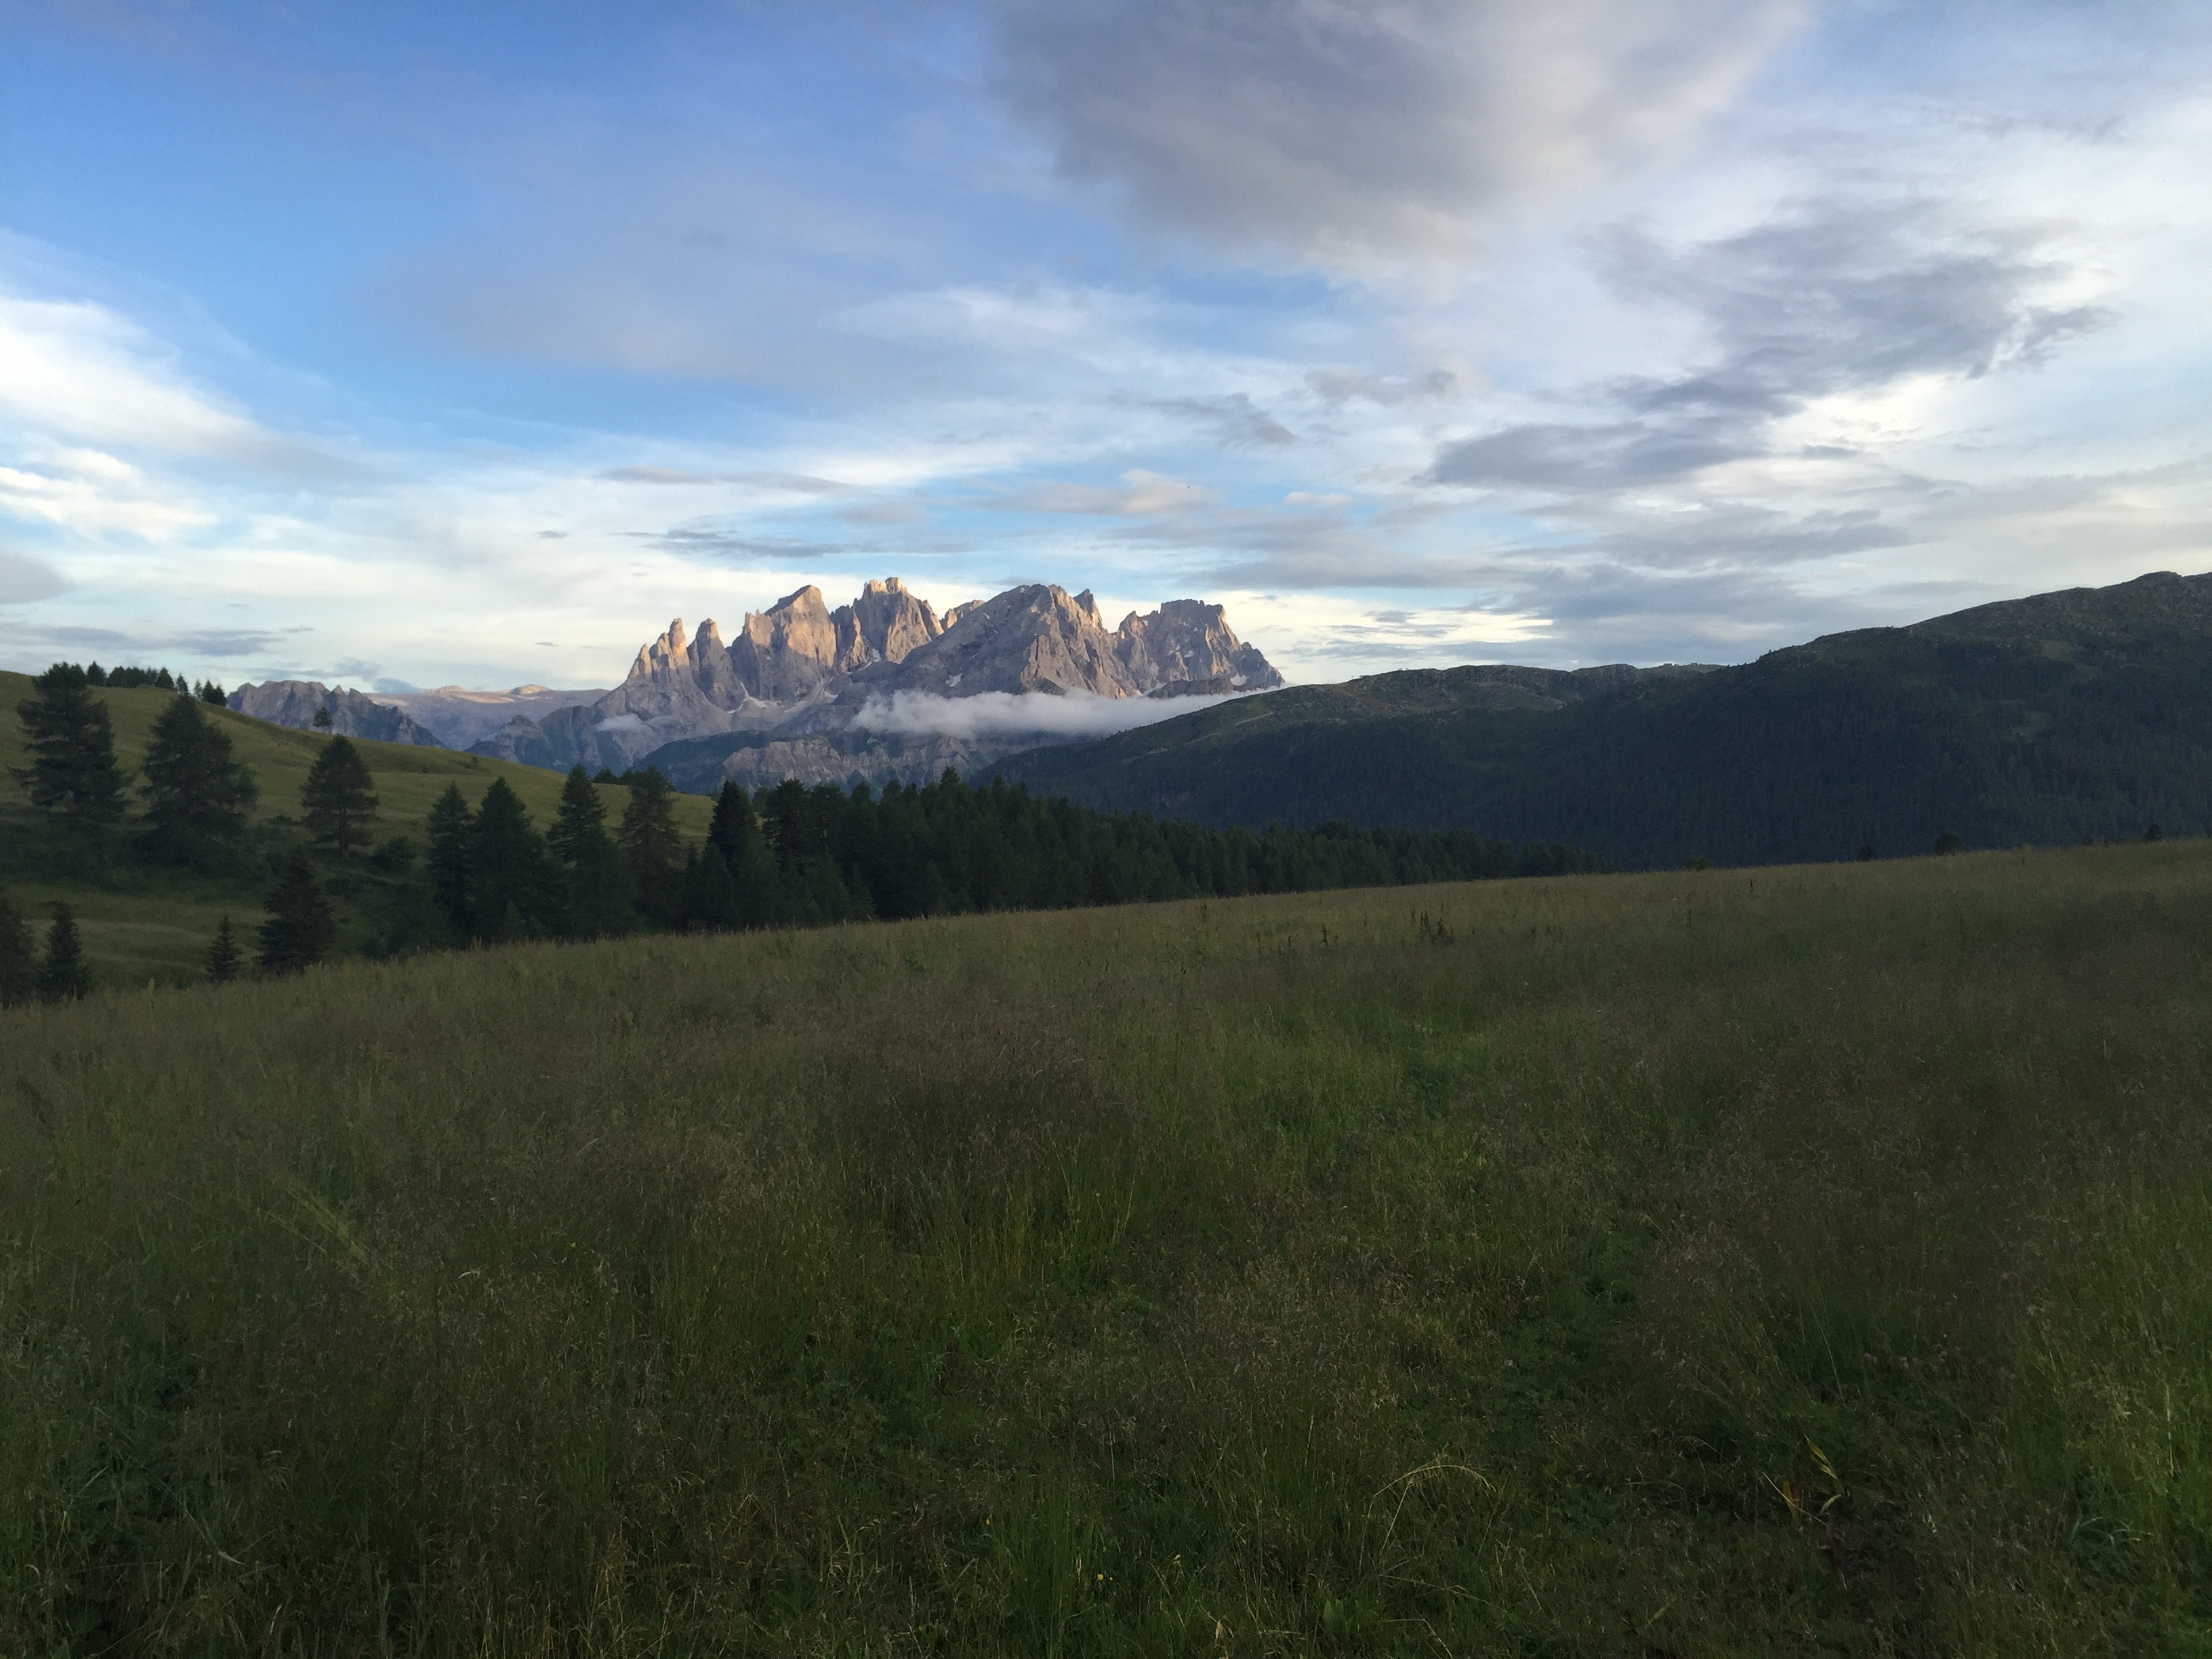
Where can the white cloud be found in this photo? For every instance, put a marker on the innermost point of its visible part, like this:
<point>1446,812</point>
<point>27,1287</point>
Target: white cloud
<point>998,713</point>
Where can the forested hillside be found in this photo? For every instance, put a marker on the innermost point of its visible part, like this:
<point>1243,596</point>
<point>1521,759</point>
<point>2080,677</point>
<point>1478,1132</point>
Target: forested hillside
<point>2085,713</point>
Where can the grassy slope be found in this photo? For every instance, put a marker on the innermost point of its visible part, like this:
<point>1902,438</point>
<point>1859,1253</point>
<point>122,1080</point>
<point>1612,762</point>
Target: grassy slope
<point>141,925</point>
<point>1810,1260</point>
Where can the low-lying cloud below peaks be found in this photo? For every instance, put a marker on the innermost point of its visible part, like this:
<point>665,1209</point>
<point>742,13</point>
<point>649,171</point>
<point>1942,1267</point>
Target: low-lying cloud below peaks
<point>1007,714</point>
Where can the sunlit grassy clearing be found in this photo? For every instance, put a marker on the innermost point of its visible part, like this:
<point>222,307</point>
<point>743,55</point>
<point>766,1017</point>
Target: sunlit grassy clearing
<point>1789,1260</point>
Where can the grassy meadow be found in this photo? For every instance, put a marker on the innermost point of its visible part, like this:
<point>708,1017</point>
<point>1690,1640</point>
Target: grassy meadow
<point>1809,1260</point>
<point>142,925</point>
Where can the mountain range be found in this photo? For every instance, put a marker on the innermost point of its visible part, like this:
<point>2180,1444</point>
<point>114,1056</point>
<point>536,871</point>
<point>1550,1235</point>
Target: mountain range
<point>2082,713</point>
<point>884,687</point>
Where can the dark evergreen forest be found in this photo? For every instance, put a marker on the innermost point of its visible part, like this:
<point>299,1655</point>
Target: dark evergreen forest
<point>796,857</point>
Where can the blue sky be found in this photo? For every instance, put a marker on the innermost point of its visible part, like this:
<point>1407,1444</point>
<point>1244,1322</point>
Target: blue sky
<point>408,344</point>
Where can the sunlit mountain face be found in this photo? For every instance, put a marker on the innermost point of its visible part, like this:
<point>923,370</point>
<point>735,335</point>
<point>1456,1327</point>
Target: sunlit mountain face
<point>410,346</point>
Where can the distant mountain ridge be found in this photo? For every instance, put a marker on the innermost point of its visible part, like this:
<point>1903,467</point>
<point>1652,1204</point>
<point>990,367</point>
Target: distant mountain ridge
<point>789,693</point>
<point>297,702</point>
<point>2087,712</point>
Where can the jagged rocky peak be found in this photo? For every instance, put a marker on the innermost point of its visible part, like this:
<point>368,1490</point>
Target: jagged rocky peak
<point>785,653</point>
<point>1037,638</point>
<point>886,623</point>
<point>1190,641</point>
<point>657,658</point>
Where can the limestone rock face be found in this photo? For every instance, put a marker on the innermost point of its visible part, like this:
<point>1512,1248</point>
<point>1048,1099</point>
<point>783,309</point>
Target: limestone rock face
<point>886,623</point>
<point>1190,641</point>
<point>1038,638</point>
<point>786,652</point>
<point>296,702</point>
<point>717,676</point>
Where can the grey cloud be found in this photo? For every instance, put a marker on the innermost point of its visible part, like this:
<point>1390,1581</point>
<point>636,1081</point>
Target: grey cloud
<point>1339,386</point>
<point>1346,129</point>
<point>219,645</point>
<point>1234,421</point>
<point>1828,297</point>
<point>23,578</point>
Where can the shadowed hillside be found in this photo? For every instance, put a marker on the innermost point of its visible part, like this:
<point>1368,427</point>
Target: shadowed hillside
<point>2044,720</point>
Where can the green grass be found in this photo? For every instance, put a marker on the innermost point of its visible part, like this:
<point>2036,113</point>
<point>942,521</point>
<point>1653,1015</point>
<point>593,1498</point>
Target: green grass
<point>1797,1262</point>
<point>142,925</point>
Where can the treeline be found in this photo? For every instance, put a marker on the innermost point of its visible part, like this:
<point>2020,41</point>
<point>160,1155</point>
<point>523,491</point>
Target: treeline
<point>786,857</point>
<point>795,857</point>
<point>157,679</point>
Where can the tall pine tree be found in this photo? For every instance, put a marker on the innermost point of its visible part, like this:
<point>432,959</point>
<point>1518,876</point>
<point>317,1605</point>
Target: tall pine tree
<point>336,800</point>
<point>451,830</point>
<point>196,792</point>
<point>73,774</point>
<point>653,848</point>
<point>508,894</point>
<point>300,930</point>
<point>596,896</point>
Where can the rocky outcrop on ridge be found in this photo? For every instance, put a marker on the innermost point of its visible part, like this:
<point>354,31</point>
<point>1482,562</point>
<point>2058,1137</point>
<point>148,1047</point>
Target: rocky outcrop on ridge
<point>804,671</point>
<point>295,703</point>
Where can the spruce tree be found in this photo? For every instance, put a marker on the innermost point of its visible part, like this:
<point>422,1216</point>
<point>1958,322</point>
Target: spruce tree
<point>336,800</point>
<point>62,975</point>
<point>300,930</point>
<point>223,957</point>
<point>196,793</point>
<point>212,693</point>
<point>507,893</point>
<point>72,773</point>
<point>710,897</point>
<point>597,898</point>
<point>733,821</point>
<point>19,969</point>
<point>653,848</point>
<point>452,827</point>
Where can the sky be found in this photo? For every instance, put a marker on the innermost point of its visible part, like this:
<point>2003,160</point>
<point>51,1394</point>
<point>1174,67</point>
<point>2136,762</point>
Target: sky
<point>409,344</point>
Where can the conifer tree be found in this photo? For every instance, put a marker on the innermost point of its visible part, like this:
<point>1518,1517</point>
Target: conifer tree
<point>651,847</point>
<point>710,897</point>
<point>323,718</point>
<point>223,957</point>
<point>581,819</point>
<point>507,860</point>
<point>18,970</point>
<point>72,773</point>
<point>300,930</point>
<point>733,819</point>
<point>212,693</point>
<point>336,800</point>
<point>597,887</point>
<point>196,793</point>
<point>452,828</point>
<point>62,975</point>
